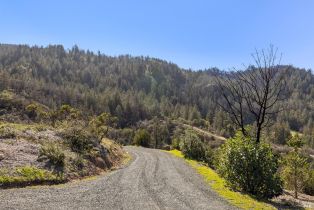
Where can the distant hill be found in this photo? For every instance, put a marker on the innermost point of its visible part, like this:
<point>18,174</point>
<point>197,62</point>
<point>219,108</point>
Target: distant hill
<point>135,88</point>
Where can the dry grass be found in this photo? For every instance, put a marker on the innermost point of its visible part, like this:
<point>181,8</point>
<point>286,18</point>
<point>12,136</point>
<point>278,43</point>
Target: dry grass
<point>287,199</point>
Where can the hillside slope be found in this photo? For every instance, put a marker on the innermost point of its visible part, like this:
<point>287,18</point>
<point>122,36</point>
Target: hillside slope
<point>41,154</point>
<point>135,89</point>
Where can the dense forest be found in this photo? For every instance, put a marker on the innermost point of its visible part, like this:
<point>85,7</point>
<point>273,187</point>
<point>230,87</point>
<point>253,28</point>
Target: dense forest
<point>136,89</point>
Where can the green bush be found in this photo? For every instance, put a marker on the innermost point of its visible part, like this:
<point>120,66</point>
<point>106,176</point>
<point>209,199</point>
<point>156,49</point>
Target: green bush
<point>78,162</point>
<point>209,156</point>
<point>142,138</point>
<point>101,124</point>
<point>175,143</point>
<point>309,184</point>
<point>200,123</point>
<point>80,140</point>
<point>36,111</point>
<point>32,111</point>
<point>9,101</point>
<point>249,167</point>
<point>192,147</point>
<point>176,137</point>
<point>53,153</point>
<point>123,136</point>
<point>281,133</point>
<point>7,132</point>
<point>295,169</point>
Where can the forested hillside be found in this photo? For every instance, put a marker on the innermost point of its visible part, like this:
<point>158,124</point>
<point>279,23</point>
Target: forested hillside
<point>139,88</point>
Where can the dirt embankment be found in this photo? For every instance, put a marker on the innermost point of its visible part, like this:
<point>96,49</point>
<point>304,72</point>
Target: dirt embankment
<point>35,154</point>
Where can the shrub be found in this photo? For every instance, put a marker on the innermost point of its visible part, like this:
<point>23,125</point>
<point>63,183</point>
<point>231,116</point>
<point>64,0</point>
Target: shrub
<point>68,112</point>
<point>80,140</point>
<point>36,111</point>
<point>32,111</point>
<point>142,138</point>
<point>296,168</point>
<point>249,167</point>
<point>9,101</point>
<point>123,136</point>
<point>53,153</point>
<point>295,172</point>
<point>192,147</point>
<point>7,132</point>
<point>209,156</point>
<point>281,133</point>
<point>78,162</point>
<point>175,143</point>
<point>101,124</point>
<point>200,123</point>
<point>309,184</point>
<point>176,137</point>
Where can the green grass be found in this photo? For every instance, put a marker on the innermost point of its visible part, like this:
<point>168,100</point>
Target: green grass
<point>23,127</point>
<point>16,130</point>
<point>53,153</point>
<point>293,133</point>
<point>217,183</point>
<point>27,175</point>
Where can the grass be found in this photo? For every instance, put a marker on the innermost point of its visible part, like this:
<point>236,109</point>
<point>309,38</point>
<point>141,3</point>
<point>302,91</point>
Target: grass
<point>293,133</point>
<point>126,159</point>
<point>217,183</point>
<point>28,175</point>
<point>23,127</point>
<point>53,153</point>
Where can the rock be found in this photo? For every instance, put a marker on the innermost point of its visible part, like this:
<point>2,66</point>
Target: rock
<point>100,163</point>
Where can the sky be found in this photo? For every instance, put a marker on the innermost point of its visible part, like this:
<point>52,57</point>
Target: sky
<point>194,34</point>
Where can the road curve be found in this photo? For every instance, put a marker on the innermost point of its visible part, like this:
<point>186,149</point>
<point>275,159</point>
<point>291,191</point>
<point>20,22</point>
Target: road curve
<point>153,180</point>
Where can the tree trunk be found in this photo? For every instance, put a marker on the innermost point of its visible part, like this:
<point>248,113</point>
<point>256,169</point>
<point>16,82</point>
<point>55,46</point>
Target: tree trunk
<point>295,183</point>
<point>258,133</point>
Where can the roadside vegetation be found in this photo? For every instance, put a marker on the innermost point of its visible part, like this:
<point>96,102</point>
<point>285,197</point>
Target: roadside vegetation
<point>28,175</point>
<point>252,176</point>
<point>249,167</point>
<point>248,162</point>
<point>296,170</point>
<point>218,184</point>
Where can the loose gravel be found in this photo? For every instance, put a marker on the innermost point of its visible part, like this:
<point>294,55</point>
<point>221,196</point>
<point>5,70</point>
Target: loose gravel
<point>153,180</point>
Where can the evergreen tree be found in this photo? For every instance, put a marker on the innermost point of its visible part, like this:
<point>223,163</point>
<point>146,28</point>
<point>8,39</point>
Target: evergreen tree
<point>296,167</point>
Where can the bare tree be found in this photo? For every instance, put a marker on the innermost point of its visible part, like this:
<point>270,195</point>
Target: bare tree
<point>255,92</point>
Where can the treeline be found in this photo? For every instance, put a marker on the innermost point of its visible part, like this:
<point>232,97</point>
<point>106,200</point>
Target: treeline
<point>134,89</point>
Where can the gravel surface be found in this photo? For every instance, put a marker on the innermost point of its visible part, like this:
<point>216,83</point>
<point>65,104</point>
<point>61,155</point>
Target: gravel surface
<point>153,180</point>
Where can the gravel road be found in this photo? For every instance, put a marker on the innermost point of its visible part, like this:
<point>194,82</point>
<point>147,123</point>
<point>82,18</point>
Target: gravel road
<point>153,180</point>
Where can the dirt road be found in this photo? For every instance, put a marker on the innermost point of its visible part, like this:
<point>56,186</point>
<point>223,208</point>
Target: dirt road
<point>153,180</point>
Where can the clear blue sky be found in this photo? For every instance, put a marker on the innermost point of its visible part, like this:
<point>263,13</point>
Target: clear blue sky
<point>193,33</point>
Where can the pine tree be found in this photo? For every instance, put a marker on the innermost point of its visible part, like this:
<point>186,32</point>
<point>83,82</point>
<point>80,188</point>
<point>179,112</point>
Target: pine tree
<point>296,167</point>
